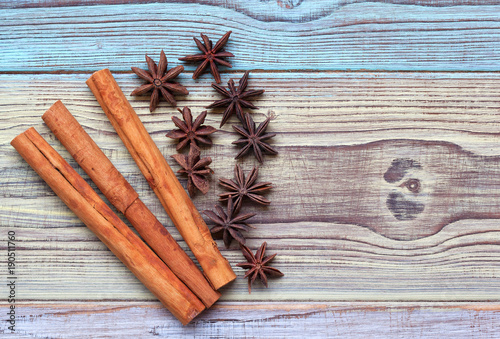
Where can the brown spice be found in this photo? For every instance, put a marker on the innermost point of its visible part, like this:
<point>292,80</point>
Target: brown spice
<point>196,169</point>
<point>159,82</point>
<point>230,223</point>
<point>235,98</point>
<point>254,138</point>
<point>210,55</point>
<point>257,265</point>
<point>244,188</point>
<point>160,177</point>
<point>77,194</point>
<point>189,132</point>
<point>126,200</point>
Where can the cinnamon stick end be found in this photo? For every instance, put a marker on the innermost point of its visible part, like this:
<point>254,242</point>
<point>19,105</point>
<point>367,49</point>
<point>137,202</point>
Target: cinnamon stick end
<point>225,277</point>
<point>58,105</point>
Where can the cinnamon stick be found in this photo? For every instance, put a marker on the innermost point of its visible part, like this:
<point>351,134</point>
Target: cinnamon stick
<point>160,177</point>
<point>121,194</point>
<point>86,204</point>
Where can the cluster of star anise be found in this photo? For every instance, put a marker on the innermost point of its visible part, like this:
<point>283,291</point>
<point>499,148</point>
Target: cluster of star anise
<point>189,132</point>
<point>160,83</point>
<point>251,138</point>
<point>229,221</point>
<point>193,134</point>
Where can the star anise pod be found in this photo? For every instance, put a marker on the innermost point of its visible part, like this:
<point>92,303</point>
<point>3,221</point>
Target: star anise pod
<point>254,138</point>
<point>244,188</point>
<point>159,82</point>
<point>196,169</point>
<point>236,98</point>
<point>190,132</point>
<point>258,266</point>
<point>210,55</point>
<point>230,223</point>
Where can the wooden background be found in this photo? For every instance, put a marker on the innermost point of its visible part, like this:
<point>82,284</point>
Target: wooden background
<point>344,81</point>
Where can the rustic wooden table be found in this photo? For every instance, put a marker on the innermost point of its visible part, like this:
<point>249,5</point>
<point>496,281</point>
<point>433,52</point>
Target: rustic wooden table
<point>364,96</point>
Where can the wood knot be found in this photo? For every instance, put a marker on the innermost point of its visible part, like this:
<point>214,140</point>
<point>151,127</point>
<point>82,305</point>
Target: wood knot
<point>403,200</point>
<point>413,185</point>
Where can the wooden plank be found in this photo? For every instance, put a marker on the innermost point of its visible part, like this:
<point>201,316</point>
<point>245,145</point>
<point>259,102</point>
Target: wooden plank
<point>260,320</point>
<point>322,109</point>
<point>286,10</point>
<point>61,260</point>
<point>401,189</point>
<point>285,5</point>
<point>332,263</point>
<point>355,36</point>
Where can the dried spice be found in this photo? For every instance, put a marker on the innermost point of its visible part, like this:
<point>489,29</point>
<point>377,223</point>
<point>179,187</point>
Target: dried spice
<point>165,185</point>
<point>244,188</point>
<point>254,138</point>
<point>196,169</point>
<point>258,265</point>
<point>189,132</point>
<point>235,98</point>
<point>210,55</point>
<point>159,81</point>
<point>230,223</point>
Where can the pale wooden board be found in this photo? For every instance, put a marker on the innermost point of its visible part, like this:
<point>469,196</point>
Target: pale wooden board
<point>309,109</point>
<point>352,36</point>
<point>267,320</point>
<point>323,260</point>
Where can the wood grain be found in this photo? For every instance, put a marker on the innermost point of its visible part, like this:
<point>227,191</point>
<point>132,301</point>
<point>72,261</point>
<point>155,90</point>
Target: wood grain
<point>263,10</point>
<point>309,109</point>
<point>332,263</point>
<point>355,36</point>
<point>347,261</point>
<point>268,320</point>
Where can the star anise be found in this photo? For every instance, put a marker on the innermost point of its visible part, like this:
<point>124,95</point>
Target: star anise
<point>159,82</point>
<point>210,55</point>
<point>190,132</point>
<point>257,266</point>
<point>236,98</point>
<point>254,138</point>
<point>196,169</point>
<point>230,223</point>
<point>244,188</point>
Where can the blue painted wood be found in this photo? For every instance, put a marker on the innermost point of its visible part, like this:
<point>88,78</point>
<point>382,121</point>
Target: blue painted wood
<point>364,36</point>
<point>263,10</point>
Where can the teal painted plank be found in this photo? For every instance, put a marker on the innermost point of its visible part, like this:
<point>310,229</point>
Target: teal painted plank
<point>364,36</point>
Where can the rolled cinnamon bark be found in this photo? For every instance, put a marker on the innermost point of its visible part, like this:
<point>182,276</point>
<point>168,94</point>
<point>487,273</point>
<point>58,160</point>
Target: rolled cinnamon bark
<point>160,177</point>
<point>100,219</point>
<point>121,194</point>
